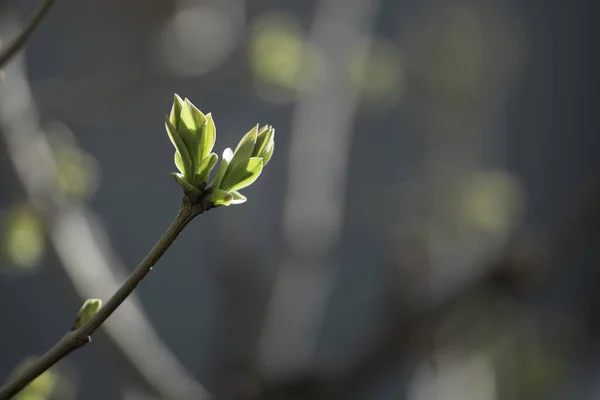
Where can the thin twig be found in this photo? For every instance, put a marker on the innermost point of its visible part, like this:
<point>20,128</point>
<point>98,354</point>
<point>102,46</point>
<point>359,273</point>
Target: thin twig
<point>80,337</point>
<point>86,256</point>
<point>20,40</point>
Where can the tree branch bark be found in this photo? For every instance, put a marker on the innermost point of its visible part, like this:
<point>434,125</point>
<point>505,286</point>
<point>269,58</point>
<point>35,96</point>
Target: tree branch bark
<point>82,336</point>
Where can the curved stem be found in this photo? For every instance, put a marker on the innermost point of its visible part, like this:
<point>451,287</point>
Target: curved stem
<point>20,40</point>
<point>81,336</point>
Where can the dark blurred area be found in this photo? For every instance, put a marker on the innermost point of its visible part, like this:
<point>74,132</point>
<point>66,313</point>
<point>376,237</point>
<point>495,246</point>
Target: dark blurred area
<point>426,229</point>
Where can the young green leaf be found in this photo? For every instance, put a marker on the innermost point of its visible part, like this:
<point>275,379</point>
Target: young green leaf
<point>243,174</point>
<point>220,197</point>
<point>245,147</point>
<point>197,115</point>
<point>207,138</point>
<point>179,144</point>
<point>176,111</point>
<point>204,168</point>
<point>227,156</point>
<point>183,182</point>
<point>179,162</point>
<point>268,152</point>
<point>263,139</point>
<point>188,131</point>
<point>238,198</point>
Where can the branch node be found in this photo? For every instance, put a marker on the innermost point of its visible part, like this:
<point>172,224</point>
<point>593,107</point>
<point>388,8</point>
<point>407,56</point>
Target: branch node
<point>83,339</point>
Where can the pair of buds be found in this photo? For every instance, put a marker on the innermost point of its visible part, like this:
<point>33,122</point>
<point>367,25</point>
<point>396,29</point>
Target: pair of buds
<point>193,134</point>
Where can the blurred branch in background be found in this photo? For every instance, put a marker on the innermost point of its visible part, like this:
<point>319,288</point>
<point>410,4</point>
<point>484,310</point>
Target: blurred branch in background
<point>473,270</point>
<point>22,38</point>
<point>461,276</point>
<point>413,333</point>
<point>316,188</point>
<point>467,201</point>
<point>77,237</point>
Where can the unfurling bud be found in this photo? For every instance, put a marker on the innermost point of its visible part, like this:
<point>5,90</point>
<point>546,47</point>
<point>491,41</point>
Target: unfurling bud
<point>193,134</point>
<point>87,311</point>
<point>240,168</point>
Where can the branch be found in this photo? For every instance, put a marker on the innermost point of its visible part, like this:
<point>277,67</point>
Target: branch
<point>81,336</point>
<point>78,237</point>
<point>20,40</point>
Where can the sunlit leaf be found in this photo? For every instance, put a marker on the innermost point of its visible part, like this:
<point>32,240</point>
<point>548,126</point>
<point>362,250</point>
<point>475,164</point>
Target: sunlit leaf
<point>265,135</point>
<point>267,153</point>
<point>188,131</point>
<point>227,156</point>
<point>198,116</point>
<point>245,147</point>
<point>176,111</point>
<point>179,144</point>
<point>208,136</point>
<point>179,162</point>
<point>204,168</point>
<point>238,198</point>
<point>243,175</point>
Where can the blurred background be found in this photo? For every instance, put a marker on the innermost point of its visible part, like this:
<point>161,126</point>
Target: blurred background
<point>424,231</point>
